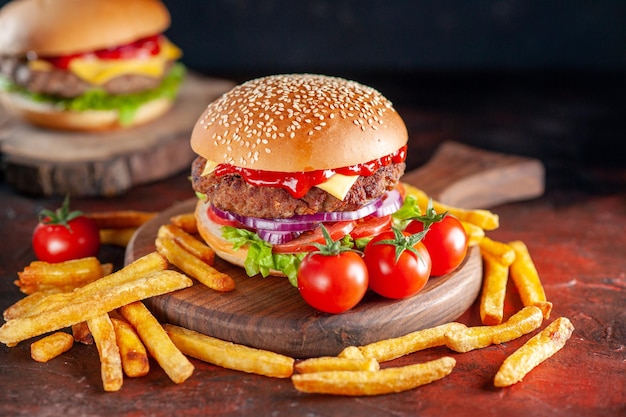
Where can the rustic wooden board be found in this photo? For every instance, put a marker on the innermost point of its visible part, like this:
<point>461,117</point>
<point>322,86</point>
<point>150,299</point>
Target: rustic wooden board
<point>268,313</point>
<point>47,162</point>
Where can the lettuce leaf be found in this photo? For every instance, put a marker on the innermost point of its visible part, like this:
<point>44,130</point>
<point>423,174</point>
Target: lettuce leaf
<point>260,259</point>
<point>98,99</point>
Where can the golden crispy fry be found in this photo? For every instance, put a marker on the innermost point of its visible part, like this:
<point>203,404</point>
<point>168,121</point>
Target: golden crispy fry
<point>110,361</point>
<point>121,219</point>
<point>81,333</point>
<point>51,346</point>
<point>230,355</point>
<point>186,221</point>
<point>64,276</point>
<point>524,321</point>
<point>526,279</point>
<point>474,233</point>
<point>334,363</point>
<point>82,305</point>
<point>495,277</point>
<point>117,237</point>
<point>385,381</point>
<point>188,242</point>
<point>157,341</point>
<point>536,350</point>
<point>388,349</point>
<point>500,251</point>
<point>351,352</point>
<point>194,267</point>
<point>484,219</point>
<point>24,305</point>
<point>134,355</point>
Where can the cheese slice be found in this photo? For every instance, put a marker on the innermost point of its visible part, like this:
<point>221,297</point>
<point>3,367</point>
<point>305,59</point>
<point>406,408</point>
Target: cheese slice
<point>338,185</point>
<point>99,71</point>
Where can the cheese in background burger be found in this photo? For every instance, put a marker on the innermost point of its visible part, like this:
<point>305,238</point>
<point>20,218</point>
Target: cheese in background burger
<point>87,65</point>
<point>281,154</point>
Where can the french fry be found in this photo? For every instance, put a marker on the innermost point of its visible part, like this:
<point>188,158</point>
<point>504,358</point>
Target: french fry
<point>51,346</point>
<point>186,221</point>
<point>536,350</point>
<point>64,276</point>
<point>134,355</point>
<point>188,242</point>
<point>121,219</point>
<point>484,219</point>
<point>388,349</point>
<point>334,363</point>
<point>230,355</point>
<point>157,341</point>
<point>474,233</point>
<point>84,304</point>
<point>495,277</point>
<point>526,279</point>
<point>194,266</point>
<point>385,381</point>
<point>110,361</point>
<point>22,306</point>
<point>500,251</point>
<point>524,321</point>
<point>81,333</point>
<point>117,237</point>
<point>351,352</point>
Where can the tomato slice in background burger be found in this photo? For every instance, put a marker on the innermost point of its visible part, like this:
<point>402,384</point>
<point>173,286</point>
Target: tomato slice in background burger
<point>305,241</point>
<point>221,221</point>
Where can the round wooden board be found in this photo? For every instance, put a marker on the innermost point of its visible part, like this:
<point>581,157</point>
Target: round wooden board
<point>268,313</point>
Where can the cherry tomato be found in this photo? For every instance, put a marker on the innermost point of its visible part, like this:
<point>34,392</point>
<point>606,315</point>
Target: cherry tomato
<point>307,240</point>
<point>397,276</point>
<point>63,235</point>
<point>446,241</point>
<point>333,283</point>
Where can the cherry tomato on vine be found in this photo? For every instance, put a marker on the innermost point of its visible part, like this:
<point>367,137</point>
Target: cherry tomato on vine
<point>332,279</point>
<point>63,235</point>
<point>398,264</point>
<point>446,240</point>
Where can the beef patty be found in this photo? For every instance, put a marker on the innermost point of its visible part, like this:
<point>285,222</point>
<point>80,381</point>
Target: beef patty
<point>231,193</point>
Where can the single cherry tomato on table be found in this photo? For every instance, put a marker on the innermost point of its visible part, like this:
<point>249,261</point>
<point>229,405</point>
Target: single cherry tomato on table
<point>332,279</point>
<point>62,235</point>
<point>398,264</point>
<point>446,239</point>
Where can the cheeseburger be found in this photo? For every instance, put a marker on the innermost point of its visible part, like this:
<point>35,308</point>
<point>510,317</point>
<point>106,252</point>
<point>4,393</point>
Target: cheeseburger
<point>280,155</point>
<point>87,64</point>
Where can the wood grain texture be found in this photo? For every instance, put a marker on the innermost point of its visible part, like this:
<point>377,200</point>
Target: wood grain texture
<point>269,313</point>
<point>48,162</point>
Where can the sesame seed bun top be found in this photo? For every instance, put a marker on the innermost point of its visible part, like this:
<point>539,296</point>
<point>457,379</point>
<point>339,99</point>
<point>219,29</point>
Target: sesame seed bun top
<point>298,122</point>
<point>62,27</point>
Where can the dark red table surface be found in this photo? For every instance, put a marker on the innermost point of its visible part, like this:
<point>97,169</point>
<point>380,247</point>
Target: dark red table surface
<point>576,233</point>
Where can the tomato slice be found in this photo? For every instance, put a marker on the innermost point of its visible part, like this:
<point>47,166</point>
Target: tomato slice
<point>223,222</point>
<point>371,226</point>
<point>304,242</point>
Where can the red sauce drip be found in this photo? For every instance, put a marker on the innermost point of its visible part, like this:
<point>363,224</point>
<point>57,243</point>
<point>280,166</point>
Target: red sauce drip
<point>299,183</point>
<point>142,48</point>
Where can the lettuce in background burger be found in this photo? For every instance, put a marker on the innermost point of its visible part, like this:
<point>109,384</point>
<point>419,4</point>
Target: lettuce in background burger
<point>279,155</point>
<point>87,65</point>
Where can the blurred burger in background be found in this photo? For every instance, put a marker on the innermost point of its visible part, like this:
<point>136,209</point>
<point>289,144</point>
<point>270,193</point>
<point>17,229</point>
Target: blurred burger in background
<point>87,64</point>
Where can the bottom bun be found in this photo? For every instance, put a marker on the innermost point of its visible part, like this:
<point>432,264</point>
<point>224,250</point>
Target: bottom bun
<point>46,115</point>
<point>211,233</point>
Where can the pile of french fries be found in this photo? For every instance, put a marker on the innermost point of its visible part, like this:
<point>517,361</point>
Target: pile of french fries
<point>104,308</point>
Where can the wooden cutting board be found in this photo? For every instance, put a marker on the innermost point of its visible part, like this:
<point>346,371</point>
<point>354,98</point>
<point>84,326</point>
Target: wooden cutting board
<point>268,313</point>
<point>50,162</point>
